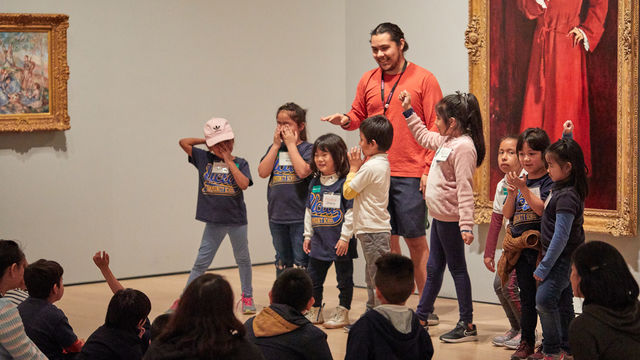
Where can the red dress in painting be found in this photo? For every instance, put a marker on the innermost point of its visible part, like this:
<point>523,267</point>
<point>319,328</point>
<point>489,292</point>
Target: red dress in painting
<point>557,81</point>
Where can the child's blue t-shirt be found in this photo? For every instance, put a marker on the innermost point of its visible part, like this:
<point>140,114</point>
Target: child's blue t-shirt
<point>220,199</point>
<point>327,222</point>
<point>524,218</point>
<point>286,193</point>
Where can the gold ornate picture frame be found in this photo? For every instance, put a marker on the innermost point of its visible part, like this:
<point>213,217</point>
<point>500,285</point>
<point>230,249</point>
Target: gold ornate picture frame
<point>499,40</point>
<point>33,72</point>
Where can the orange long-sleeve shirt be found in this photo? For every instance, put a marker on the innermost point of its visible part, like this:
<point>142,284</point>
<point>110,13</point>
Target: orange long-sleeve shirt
<point>406,157</point>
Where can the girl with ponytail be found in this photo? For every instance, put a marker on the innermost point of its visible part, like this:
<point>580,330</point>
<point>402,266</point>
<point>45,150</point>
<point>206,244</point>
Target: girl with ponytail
<point>460,147</point>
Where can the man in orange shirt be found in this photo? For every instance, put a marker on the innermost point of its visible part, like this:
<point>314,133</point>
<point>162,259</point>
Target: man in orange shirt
<point>409,161</point>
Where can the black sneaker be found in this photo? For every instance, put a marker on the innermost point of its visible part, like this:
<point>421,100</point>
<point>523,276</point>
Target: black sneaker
<point>433,320</point>
<point>463,332</point>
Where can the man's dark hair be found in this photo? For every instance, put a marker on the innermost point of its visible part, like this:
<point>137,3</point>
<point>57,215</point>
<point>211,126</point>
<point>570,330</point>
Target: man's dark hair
<point>394,277</point>
<point>378,128</point>
<point>41,276</point>
<point>292,287</point>
<point>126,308</point>
<point>394,31</point>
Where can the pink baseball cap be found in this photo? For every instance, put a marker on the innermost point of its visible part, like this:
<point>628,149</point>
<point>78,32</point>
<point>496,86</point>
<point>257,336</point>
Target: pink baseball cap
<point>217,130</point>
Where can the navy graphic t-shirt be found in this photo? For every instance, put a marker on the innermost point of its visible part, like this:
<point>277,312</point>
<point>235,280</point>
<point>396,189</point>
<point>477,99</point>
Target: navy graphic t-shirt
<point>327,222</point>
<point>524,217</point>
<point>286,193</point>
<point>220,199</point>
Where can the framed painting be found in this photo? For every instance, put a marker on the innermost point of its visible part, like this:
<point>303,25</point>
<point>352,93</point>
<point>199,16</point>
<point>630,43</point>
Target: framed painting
<point>33,72</point>
<point>538,63</point>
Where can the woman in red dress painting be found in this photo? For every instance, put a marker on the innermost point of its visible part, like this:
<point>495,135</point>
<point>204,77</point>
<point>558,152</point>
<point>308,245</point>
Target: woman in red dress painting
<point>557,82</point>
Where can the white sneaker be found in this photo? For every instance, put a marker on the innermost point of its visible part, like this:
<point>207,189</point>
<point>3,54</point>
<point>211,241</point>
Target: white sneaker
<point>512,343</point>
<point>340,319</point>
<point>314,315</point>
<point>501,339</point>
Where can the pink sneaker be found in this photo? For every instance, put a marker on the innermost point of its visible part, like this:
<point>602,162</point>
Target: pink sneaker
<point>248,307</point>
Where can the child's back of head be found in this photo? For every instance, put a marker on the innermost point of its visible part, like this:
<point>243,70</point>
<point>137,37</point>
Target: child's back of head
<point>378,128</point>
<point>127,310</point>
<point>41,277</point>
<point>292,287</point>
<point>159,324</point>
<point>394,278</point>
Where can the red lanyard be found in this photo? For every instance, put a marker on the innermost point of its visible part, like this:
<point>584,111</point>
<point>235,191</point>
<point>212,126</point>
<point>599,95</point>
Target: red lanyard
<point>386,104</point>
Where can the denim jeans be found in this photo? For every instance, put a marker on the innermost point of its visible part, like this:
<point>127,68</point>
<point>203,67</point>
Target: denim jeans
<point>211,240</point>
<point>554,302</point>
<point>317,271</point>
<point>287,241</point>
<point>446,249</point>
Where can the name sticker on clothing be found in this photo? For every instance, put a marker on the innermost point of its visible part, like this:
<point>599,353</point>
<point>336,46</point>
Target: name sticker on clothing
<point>284,159</point>
<point>220,168</point>
<point>442,154</point>
<point>315,189</point>
<point>331,201</point>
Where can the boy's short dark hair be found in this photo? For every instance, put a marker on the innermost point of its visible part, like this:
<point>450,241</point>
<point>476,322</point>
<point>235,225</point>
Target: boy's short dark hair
<point>536,138</point>
<point>126,308</point>
<point>41,276</point>
<point>292,287</point>
<point>394,277</point>
<point>378,128</point>
<point>159,324</point>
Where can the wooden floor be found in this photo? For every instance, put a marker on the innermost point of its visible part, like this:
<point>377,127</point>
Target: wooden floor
<point>85,306</point>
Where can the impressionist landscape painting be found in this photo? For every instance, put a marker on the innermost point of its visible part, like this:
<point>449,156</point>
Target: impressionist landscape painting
<point>24,72</point>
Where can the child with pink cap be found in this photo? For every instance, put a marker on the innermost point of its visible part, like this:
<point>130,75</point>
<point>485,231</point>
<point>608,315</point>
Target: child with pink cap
<point>222,178</point>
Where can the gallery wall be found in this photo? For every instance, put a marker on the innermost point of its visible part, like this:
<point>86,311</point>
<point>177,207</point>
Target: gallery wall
<point>143,75</point>
<point>146,73</point>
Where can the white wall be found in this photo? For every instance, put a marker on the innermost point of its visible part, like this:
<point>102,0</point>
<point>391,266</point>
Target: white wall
<point>143,75</point>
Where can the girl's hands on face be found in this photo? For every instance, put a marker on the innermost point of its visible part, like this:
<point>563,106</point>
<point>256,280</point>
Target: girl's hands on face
<point>277,136</point>
<point>289,136</point>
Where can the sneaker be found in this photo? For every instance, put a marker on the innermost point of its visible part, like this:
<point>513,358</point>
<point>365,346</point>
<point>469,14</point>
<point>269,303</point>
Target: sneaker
<point>514,342</point>
<point>538,355</point>
<point>340,318</point>
<point>433,320</point>
<point>248,307</point>
<point>173,307</point>
<point>314,315</point>
<point>463,332</point>
<point>559,356</point>
<point>347,328</point>
<point>501,339</point>
<point>523,352</point>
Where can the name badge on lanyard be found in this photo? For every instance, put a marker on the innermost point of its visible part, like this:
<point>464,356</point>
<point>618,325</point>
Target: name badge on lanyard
<point>220,168</point>
<point>442,154</point>
<point>284,159</point>
<point>331,201</point>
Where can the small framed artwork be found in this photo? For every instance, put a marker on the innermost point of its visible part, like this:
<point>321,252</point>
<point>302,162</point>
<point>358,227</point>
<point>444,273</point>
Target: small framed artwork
<point>538,63</point>
<point>33,72</point>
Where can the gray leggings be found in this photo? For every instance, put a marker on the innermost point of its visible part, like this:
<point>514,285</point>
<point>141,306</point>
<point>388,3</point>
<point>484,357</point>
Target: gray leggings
<point>509,296</point>
<point>373,245</point>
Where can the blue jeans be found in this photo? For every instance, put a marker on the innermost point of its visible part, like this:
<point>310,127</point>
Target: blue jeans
<point>287,240</point>
<point>211,240</point>
<point>447,249</point>
<point>554,302</point>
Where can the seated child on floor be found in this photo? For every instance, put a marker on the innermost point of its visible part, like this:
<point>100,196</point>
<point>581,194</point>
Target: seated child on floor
<point>45,324</point>
<point>281,331</point>
<point>391,330</point>
<point>120,336</point>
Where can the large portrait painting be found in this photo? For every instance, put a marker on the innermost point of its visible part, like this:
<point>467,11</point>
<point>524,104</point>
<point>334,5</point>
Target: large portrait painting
<point>33,72</point>
<point>538,63</point>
